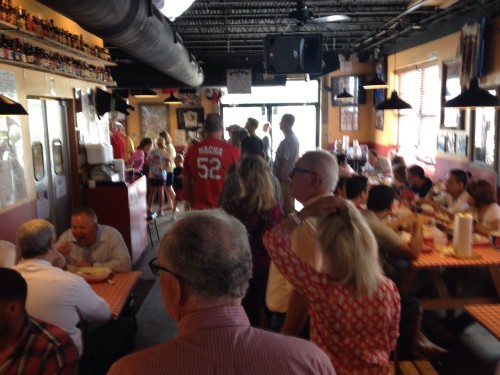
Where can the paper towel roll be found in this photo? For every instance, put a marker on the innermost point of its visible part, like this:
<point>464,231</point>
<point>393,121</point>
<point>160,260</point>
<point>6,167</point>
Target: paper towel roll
<point>462,234</point>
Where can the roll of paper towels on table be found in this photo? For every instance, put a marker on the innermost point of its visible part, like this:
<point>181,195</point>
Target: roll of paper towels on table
<point>119,166</point>
<point>462,236</point>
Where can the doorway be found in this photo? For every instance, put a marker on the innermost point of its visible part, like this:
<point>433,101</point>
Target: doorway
<point>50,151</point>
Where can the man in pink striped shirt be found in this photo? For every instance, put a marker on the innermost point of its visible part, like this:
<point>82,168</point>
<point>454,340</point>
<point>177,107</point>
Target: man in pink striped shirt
<point>204,263</point>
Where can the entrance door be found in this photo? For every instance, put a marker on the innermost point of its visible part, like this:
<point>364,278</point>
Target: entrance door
<point>48,131</point>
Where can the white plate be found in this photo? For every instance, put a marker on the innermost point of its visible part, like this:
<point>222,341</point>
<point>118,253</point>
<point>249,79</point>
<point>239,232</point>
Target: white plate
<point>92,274</point>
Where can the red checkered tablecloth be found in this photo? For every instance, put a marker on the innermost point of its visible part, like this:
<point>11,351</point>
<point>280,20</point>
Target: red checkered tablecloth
<point>487,256</point>
<point>488,316</point>
<point>116,292</point>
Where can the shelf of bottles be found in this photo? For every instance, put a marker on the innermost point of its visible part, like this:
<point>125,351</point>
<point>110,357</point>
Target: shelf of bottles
<point>32,42</point>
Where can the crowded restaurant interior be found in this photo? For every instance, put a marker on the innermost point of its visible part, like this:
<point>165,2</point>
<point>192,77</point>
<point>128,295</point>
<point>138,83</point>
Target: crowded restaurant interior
<point>257,187</point>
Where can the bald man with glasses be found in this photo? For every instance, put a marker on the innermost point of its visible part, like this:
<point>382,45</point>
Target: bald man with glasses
<point>214,331</point>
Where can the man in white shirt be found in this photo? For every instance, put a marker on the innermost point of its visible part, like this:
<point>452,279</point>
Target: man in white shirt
<point>455,199</point>
<point>88,244</point>
<point>55,296</point>
<point>377,164</point>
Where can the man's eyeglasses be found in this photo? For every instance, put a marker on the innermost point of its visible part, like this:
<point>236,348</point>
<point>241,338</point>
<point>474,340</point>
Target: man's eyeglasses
<point>301,170</point>
<point>156,268</point>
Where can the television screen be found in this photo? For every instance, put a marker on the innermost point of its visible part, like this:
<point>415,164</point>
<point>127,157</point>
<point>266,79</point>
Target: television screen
<point>293,53</point>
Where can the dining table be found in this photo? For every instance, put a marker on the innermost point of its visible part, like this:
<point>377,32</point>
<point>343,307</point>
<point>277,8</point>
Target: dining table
<point>488,316</point>
<point>483,256</point>
<point>116,290</point>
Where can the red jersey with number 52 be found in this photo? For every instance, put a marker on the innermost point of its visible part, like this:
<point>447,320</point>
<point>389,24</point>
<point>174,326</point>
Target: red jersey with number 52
<point>207,163</point>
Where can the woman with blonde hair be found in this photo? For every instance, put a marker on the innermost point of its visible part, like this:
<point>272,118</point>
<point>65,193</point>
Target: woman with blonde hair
<point>354,308</point>
<point>158,161</point>
<point>169,147</point>
<point>259,211</point>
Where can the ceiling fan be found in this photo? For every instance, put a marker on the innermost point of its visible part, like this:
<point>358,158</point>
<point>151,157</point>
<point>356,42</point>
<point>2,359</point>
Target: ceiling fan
<point>305,16</point>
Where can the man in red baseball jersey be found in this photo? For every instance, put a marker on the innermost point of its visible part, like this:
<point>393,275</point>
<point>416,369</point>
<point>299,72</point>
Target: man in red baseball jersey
<point>206,164</point>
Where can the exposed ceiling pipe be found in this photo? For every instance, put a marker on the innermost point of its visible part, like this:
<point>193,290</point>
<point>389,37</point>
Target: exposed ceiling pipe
<point>138,28</point>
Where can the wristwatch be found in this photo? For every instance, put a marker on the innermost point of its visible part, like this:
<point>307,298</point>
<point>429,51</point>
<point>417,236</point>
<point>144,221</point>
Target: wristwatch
<point>296,219</point>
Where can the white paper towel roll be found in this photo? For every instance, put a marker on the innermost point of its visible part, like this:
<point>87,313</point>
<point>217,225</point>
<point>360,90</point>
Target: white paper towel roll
<point>462,234</point>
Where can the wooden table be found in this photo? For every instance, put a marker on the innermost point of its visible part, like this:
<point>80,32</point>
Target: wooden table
<point>116,292</point>
<point>488,316</point>
<point>489,258</point>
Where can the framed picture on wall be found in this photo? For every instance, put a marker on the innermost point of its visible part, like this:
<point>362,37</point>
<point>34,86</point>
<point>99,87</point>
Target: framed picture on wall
<point>349,119</point>
<point>441,143</point>
<point>353,85</point>
<point>451,118</point>
<point>190,117</point>
<point>450,144</point>
<point>153,118</point>
<point>462,140</point>
<point>379,120</point>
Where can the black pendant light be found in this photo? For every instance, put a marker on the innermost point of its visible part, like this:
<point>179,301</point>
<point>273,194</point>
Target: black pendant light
<point>375,83</point>
<point>172,99</point>
<point>344,95</point>
<point>10,107</point>
<point>145,92</point>
<point>395,102</point>
<point>474,97</point>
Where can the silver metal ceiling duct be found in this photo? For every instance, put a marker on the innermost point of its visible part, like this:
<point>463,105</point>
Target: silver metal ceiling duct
<point>138,28</point>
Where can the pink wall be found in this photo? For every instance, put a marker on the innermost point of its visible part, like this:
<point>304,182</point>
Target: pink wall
<point>443,165</point>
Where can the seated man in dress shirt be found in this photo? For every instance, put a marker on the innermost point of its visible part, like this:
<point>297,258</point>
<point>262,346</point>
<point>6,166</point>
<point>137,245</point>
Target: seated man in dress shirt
<point>27,345</point>
<point>88,244</point>
<point>55,296</point>
<point>455,198</point>
<point>377,164</point>
<point>203,278</point>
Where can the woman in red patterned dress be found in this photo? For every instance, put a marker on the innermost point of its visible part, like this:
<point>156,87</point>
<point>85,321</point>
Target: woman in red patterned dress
<point>354,308</point>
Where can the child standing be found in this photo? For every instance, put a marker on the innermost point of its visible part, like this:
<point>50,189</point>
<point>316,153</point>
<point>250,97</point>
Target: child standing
<point>177,183</point>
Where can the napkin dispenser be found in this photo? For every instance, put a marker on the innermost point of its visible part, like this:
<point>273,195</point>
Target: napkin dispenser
<point>462,236</point>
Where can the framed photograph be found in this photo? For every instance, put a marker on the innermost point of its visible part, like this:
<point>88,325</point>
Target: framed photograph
<point>154,118</point>
<point>353,85</point>
<point>349,119</point>
<point>190,117</point>
<point>379,120</point>
<point>451,118</point>
<point>462,144</point>
<point>450,144</point>
<point>441,143</point>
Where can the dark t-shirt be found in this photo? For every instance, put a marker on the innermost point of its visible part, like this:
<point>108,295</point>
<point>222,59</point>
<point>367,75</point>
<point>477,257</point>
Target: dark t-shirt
<point>422,191</point>
<point>177,184</point>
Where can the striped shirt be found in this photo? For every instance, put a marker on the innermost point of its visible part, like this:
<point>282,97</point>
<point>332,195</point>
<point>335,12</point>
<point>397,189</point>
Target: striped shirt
<point>43,349</point>
<point>220,341</point>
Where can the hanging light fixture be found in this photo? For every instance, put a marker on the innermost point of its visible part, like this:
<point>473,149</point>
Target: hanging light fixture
<point>474,97</point>
<point>172,99</point>
<point>145,92</point>
<point>344,96</point>
<point>394,102</point>
<point>10,107</point>
<point>375,83</point>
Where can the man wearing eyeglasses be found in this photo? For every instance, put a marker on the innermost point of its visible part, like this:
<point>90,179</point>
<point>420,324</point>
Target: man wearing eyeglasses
<point>286,155</point>
<point>203,278</point>
<point>315,175</point>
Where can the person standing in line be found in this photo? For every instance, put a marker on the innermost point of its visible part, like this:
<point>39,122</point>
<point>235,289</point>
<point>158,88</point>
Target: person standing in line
<point>203,278</point>
<point>267,141</point>
<point>137,158</point>
<point>251,126</point>
<point>129,143</point>
<point>286,155</point>
<point>177,183</point>
<point>28,345</point>
<point>206,164</point>
<point>158,161</point>
<point>117,141</point>
<point>170,168</point>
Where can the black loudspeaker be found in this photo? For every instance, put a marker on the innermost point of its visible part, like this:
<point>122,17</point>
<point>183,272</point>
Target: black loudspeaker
<point>330,62</point>
<point>293,53</point>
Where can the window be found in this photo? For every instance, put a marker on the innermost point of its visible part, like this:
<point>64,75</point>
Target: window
<point>485,134</point>
<point>418,127</point>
